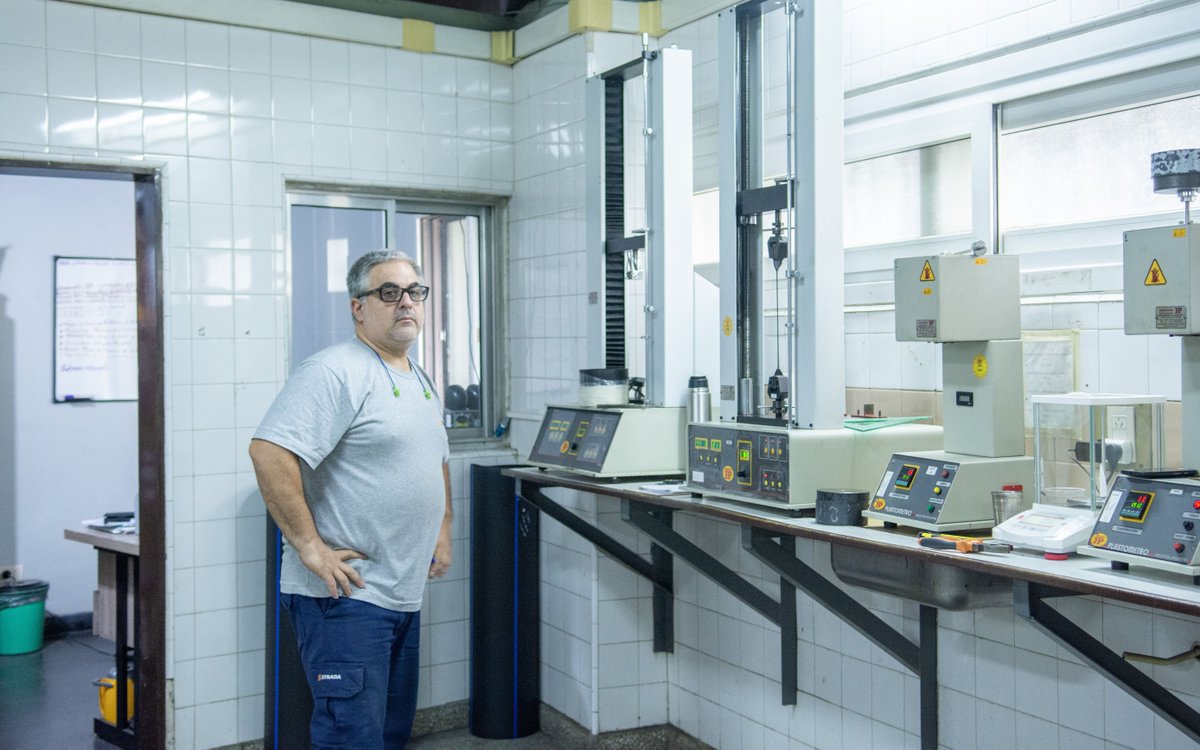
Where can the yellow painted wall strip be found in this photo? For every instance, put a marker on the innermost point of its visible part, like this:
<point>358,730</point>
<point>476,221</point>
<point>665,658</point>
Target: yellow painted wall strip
<point>589,15</point>
<point>417,36</point>
<point>502,47</point>
<point>650,18</point>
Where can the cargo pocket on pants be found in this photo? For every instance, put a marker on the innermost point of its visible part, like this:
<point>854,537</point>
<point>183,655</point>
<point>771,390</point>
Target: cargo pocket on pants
<point>337,713</point>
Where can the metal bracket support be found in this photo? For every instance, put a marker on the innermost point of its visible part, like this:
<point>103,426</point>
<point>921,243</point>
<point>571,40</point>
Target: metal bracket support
<point>778,552</point>
<point>781,613</point>
<point>658,570</point>
<point>1029,602</point>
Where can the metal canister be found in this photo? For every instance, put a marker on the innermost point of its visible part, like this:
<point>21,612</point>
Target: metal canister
<point>840,507</point>
<point>699,399</point>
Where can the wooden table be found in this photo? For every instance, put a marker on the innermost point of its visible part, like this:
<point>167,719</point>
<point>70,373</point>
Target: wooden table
<point>114,616</point>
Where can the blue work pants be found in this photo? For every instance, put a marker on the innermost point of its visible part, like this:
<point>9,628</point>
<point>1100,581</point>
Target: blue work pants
<point>362,664</point>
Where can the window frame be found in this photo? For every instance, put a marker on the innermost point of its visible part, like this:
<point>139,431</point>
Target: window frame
<point>491,212</point>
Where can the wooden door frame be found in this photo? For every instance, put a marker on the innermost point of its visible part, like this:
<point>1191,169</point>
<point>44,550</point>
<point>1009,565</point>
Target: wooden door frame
<point>152,557</point>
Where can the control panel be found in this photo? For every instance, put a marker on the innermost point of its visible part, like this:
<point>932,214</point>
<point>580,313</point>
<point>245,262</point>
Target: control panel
<point>740,462</point>
<point>611,442</point>
<point>940,491</point>
<point>785,468</point>
<point>1152,522</point>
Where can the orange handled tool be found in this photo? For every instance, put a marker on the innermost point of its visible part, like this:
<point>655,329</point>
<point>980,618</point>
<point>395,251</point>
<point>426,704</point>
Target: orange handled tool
<point>961,544</point>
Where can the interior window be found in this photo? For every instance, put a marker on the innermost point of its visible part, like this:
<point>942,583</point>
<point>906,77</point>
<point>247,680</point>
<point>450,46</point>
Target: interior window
<point>1090,169</point>
<point>923,192</point>
<point>448,247</point>
<point>449,241</point>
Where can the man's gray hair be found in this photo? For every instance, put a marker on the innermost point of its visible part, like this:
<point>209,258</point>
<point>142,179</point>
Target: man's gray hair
<point>359,276</point>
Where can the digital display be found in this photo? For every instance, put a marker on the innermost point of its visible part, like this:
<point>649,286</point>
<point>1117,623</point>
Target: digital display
<point>575,438</point>
<point>744,455</point>
<point>714,444</point>
<point>1045,522</point>
<point>906,477</point>
<point>1135,506</point>
<point>700,444</point>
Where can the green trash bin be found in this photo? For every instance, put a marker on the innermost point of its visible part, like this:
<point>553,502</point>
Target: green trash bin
<point>22,611</point>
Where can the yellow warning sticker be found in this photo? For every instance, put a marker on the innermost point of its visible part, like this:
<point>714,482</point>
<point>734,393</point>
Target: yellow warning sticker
<point>1155,277</point>
<point>927,272</point>
<point>727,325</point>
<point>979,366</point>
<point>1180,232</point>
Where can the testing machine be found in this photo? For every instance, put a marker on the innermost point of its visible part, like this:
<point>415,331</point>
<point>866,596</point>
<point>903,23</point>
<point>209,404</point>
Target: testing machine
<point>971,304</point>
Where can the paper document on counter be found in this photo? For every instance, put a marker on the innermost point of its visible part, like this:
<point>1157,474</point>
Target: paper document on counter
<point>665,487</point>
<point>112,527</point>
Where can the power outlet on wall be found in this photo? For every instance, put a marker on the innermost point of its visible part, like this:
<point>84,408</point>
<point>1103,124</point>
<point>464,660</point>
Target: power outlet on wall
<point>10,572</point>
<point>1120,429</point>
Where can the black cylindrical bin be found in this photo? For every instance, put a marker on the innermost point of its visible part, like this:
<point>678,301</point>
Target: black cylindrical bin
<point>505,694</point>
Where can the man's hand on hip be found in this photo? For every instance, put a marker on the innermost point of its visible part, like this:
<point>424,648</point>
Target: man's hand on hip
<point>441,557</point>
<point>330,565</point>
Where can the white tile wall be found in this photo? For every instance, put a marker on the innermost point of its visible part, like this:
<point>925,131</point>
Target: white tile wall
<point>228,111</point>
<point>108,84</point>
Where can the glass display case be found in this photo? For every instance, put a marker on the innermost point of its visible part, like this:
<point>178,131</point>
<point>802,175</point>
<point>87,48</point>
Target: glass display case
<point>1081,441</point>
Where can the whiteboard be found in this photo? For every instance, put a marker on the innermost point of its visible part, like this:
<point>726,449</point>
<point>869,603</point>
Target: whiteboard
<point>95,329</point>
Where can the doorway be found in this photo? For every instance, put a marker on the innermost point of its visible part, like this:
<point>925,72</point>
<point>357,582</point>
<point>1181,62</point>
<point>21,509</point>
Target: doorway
<point>33,510</point>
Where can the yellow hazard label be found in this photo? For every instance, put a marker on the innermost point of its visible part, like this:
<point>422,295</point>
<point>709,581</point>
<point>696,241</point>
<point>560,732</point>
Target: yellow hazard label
<point>927,272</point>
<point>727,325</point>
<point>927,291</point>
<point>981,261</point>
<point>1180,232</point>
<point>1155,277</point>
<point>979,366</point>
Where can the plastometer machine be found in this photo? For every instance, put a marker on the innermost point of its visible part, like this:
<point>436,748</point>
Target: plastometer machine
<point>971,304</point>
<point>1151,518</point>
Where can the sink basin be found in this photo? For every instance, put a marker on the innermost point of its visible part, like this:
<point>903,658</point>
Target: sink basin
<point>942,586</point>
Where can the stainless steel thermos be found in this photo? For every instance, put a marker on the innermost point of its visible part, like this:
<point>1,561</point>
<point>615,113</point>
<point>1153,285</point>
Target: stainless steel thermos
<point>699,400</point>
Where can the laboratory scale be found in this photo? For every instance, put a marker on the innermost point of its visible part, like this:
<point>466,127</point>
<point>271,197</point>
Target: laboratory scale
<point>1052,529</point>
<point>1080,442</point>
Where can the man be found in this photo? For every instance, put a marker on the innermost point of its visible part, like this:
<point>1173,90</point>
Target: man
<point>351,459</point>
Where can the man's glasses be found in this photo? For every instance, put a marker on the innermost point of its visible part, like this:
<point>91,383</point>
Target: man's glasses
<point>390,294</point>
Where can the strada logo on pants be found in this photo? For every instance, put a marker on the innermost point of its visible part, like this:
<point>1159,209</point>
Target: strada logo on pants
<point>328,677</point>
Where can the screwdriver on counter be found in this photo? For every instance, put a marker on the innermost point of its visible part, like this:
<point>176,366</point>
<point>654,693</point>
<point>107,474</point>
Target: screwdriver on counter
<point>963,544</point>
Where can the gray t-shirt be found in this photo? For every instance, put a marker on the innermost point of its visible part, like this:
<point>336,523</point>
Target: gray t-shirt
<point>371,462</point>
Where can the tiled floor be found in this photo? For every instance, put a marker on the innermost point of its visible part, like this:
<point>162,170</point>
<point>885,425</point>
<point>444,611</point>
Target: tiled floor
<point>47,699</point>
<point>47,702</point>
<point>461,738</point>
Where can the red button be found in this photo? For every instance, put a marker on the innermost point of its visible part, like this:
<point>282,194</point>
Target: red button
<point>1179,546</point>
<point>1196,504</point>
<point>946,473</point>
